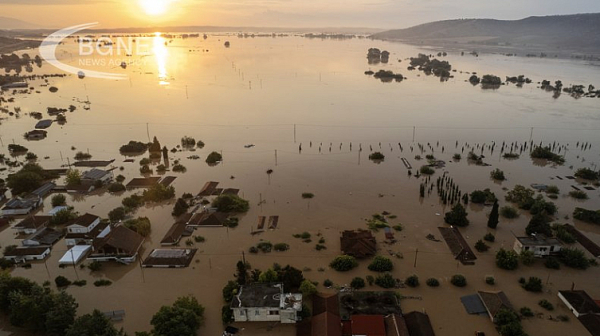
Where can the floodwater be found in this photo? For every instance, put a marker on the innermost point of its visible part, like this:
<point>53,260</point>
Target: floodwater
<point>280,93</point>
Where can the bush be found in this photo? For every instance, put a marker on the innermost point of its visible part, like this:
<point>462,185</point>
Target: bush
<point>381,264</point>
<point>489,237</point>
<point>546,153</point>
<point>199,239</point>
<point>80,283</point>
<point>158,193</point>
<point>510,155</point>
<point>327,283</point>
<point>376,156</point>
<point>231,203</point>
<point>264,246</point>
<point>490,280</point>
<point>307,195</point>
<point>589,216</point>
<point>117,214</point>
<point>95,266</point>
<point>508,260</point>
<point>497,175</point>
<point>385,281</point>
<point>552,263</point>
<point>343,263</point>
<point>412,281</point>
<point>526,312</point>
<point>426,170</point>
<point>179,168</point>
<point>61,281</point>
<point>483,196</point>
<point>307,288</point>
<point>59,200</point>
<point>578,194</point>
<point>456,157</point>
<point>134,147</point>
<point>133,201</point>
<point>546,304</point>
<point>187,141</point>
<point>141,225</point>
<point>458,280</point>
<point>357,283</point>
<point>370,279</point>
<point>509,212</point>
<point>552,190</point>
<point>432,282</point>
<point>573,257</point>
<point>102,283</point>
<point>480,246</point>
<point>116,187</point>
<point>561,233</point>
<point>281,247</point>
<point>63,216</point>
<point>214,158</point>
<point>527,258</point>
<point>533,284</point>
<point>587,174</point>
<point>457,216</point>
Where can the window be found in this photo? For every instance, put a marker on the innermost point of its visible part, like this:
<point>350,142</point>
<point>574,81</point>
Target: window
<point>256,312</point>
<point>241,313</point>
<point>526,248</point>
<point>274,312</point>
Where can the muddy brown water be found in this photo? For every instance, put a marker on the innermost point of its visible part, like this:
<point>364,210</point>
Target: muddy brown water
<point>320,87</point>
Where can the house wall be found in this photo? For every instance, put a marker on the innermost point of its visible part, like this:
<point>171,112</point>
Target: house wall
<point>538,250</point>
<point>573,310</point>
<point>75,228</point>
<point>16,212</point>
<point>256,314</point>
<point>29,257</point>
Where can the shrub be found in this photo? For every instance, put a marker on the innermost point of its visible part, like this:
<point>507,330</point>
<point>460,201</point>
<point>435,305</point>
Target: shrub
<point>141,225</point>
<point>458,280</point>
<point>187,141</point>
<point>102,283</point>
<point>456,157</point>
<point>546,304</point>
<point>63,216</point>
<point>343,263</point>
<point>59,200</point>
<point>231,203</point>
<point>200,144</point>
<point>546,153</point>
<point>327,283</point>
<point>561,233</point>
<point>587,174</point>
<point>145,169</point>
<point>573,257</point>
<point>426,170</point>
<point>61,281</point>
<point>497,175</point>
<point>117,214</point>
<point>457,216</point>
<point>509,212</point>
<point>95,266</point>
<point>179,168</point>
<point>585,215</point>
<point>552,190</point>
<point>533,284</point>
<point>381,264</point>
<point>510,155</point>
<point>199,239</point>
<point>357,283</point>
<point>490,280</point>
<point>370,279</point>
<point>214,158</point>
<point>432,282</point>
<point>264,246</point>
<point>578,194</point>
<point>80,283</point>
<point>508,260</point>
<point>552,263</point>
<point>489,237</point>
<point>116,187</point>
<point>481,246</point>
<point>385,280</point>
<point>307,288</point>
<point>482,196</point>
<point>526,312</point>
<point>412,281</point>
<point>281,247</point>
<point>320,247</point>
<point>527,258</point>
<point>376,156</point>
<point>134,147</point>
<point>307,195</point>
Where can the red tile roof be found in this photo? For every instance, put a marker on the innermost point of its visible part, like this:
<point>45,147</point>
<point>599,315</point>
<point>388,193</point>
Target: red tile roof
<point>368,325</point>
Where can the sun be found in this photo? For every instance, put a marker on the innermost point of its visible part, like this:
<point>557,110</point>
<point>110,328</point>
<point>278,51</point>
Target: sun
<point>155,7</point>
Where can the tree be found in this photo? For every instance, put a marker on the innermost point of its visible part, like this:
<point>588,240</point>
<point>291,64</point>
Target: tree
<point>59,200</point>
<point>268,276</point>
<point>94,324</point>
<point>508,260</point>
<point>308,288</point>
<point>533,284</point>
<point>457,216</point>
<point>73,177</point>
<point>412,281</point>
<point>231,203</point>
<point>539,225</point>
<point>63,216</point>
<point>527,258</point>
<point>62,315</point>
<point>117,214</point>
<point>291,278</point>
<point>343,263</point>
<point>183,318</point>
<point>481,246</point>
<point>214,158</point>
<point>230,290</point>
<point>385,280</point>
<point>180,207</point>
<point>381,264</point>
<point>458,280</point>
<point>574,258</point>
<point>493,219</point>
<point>141,225</point>
<point>241,273</point>
<point>159,193</point>
<point>22,182</point>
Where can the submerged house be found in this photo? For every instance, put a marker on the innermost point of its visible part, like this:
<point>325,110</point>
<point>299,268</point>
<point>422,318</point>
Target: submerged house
<point>32,224</point>
<point>177,230</point>
<point>494,302</point>
<point>264,302</point>
<point>44,237</point>
<point>22,254</point>
<point>21,206</point>
<point>359,243</point>
<point>93,176</point>
<point>84,229</point>
<point>584,308</point>
<point>540,245</point>
<point>119,244</point>
<point>36,135</point>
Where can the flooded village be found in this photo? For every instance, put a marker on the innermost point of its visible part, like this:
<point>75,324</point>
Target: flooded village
<point>296,185</point>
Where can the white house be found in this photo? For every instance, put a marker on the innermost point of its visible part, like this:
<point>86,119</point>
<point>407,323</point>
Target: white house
<point>540,245</point>
<point>21,206</point>
<point>120,244</point>
<point>264,302</point>
<point>579,302</point>
<point>84,229</point>
<point>21,254</point>
<point>32,224</point>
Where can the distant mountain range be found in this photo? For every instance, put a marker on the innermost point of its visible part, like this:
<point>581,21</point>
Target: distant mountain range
<point>573,33</point>
<point>10,23</point>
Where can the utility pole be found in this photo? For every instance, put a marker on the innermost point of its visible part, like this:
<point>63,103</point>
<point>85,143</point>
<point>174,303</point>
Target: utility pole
<point>416,254</point>
<point>276,157</point>
<point>244,257</point>
<point>414,129</point>
<point>148,131</point>
<point>531,134</point>
<point>141,269</point>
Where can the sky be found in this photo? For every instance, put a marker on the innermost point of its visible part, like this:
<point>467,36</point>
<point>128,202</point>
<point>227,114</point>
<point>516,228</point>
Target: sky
<point>279,13</point>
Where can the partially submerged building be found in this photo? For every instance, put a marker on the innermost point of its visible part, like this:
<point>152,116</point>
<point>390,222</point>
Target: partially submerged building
<point>32,224</point>
<point>21,206</point>
<point>84,229</point>
<point>359,244</point>
<point>22,254</point>
<point>93,176</point>
<point>494,302</point>
<point>264,302</point>
<point>45,236</point>
<point>120,244</point>
<point>540,245</point>
<point>584,308</point>
<point>169,258</point>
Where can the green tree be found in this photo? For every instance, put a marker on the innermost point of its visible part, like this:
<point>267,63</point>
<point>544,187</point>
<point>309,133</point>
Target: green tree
<point>180,207</point>
<point>117,214</point>
<point>241,273</point>
<point>291,278</point>
<point>457,216</point>
<point>73,177</point>
<point>343,263</point>
<point>62,315</point>
<point>183,318</point>
<point>539,225</point>
<point>385,280</point>
<point>268,276</point>
<point>308,288</point>
<point>357,283</point>
<point>508,260</point>
<point>22,182</point>
<point>527,258</point>
<point>493,219</point>
<point>94,324</point>
<point>533,284</point>
<point>230,290</point>
<point>231,203</point>
<point>381,264</point>
<point>458,280</point>
<point>141,225</point>
<point>59,200</point>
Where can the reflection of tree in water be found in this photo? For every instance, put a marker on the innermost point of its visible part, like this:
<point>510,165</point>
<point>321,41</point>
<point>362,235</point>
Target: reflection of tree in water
<point>15,63</point>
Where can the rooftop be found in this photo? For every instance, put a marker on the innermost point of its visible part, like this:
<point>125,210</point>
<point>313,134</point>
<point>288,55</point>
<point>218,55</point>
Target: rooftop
<point>591,322</point>
<point>33,222</point>
<point>368,325</point>
<point>538,240</point>
<point>266,295</point>
<point>43,190</point>
<point>418,324</point>
<point>26,251</point>
<point>94,174</point>
<point>121,238</point>
<point>45,236</point>
<point>494,302</point>
<point>581,301</point>
<point>368,303</point>
<point>21,203</point>
<point>170,258</point>
<point>359,243</point>
<point>85,220</point>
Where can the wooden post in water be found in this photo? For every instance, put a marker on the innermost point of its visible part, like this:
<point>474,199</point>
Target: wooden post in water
<point>414,129</point>
<point>276,157</point>
<point>416,254</point>
<point>141,269</point>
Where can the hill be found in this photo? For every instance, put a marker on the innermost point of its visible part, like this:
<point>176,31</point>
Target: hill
<point>10,23</point>
<point>567,33</point>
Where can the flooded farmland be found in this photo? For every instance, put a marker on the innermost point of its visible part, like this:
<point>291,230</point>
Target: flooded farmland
<point>308,109</point>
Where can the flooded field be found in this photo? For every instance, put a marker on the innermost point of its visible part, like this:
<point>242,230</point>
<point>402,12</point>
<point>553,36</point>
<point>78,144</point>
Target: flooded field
<point>286,93</point>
